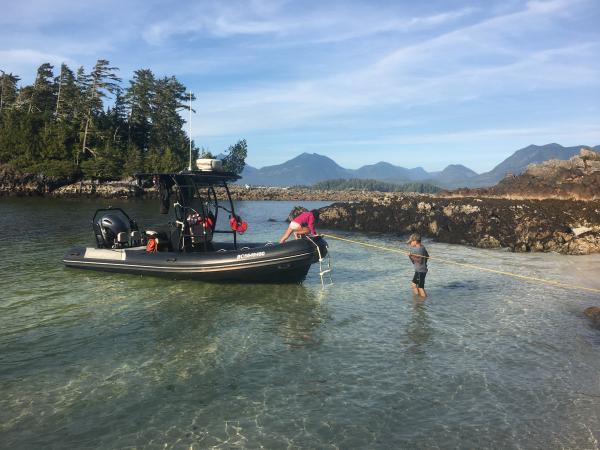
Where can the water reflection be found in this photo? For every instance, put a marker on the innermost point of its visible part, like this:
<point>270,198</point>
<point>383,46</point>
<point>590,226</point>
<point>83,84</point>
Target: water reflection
<point>294,313</point>
<point>418,328</point>
<point>101,360</point>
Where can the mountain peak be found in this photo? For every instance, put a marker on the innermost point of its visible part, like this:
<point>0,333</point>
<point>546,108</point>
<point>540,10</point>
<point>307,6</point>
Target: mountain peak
<point>454,175</point>
<point>309,168</point>
<point>457,167</point>
<point>516,163</point>
<point>311,157</point>
<point>304,169</point>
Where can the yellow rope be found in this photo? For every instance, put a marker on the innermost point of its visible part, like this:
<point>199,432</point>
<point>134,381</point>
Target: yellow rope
<point>470,266</point>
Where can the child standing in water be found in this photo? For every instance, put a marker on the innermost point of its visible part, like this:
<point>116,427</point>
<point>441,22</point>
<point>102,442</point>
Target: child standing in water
<point>418,256</point>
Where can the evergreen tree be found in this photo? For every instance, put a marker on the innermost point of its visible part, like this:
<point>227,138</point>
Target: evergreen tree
<point>8,89</point>
<point>41,96</point>
<point>134,162</point>
<point>167,123</point>
<point>56,142</point>
<point>139,100</point>
<point>68,95</point>
<point>235,160</point>
<point>116,123</point>
<point>101,82</point>
<point>205,153</point>
<point>20,138</point>
<point>59,125</point>
<point>374,185</point>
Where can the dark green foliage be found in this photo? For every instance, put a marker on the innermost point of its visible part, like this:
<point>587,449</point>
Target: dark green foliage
<point>41,96</point>
<point>56,168</point>
<point>139,99</point>
<point>8,89</point>
<point>134,161</point>
<point>235,161</point>
<point>67,95</point>
<point>374,185</point>
<point>85,124</point>
<point>205,153</point>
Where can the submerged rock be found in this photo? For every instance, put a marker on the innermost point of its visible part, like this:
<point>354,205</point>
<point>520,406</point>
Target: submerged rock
<point>593,313</point>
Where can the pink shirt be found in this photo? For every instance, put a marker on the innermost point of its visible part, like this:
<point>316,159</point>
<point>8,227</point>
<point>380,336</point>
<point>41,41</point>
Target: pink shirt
<point>306,219</point>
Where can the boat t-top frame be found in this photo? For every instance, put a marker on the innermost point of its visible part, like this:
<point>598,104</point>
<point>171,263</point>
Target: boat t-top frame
<point>196,197</point>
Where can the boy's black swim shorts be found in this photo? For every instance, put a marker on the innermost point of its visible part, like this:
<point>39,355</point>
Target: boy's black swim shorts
<point>419,279</point>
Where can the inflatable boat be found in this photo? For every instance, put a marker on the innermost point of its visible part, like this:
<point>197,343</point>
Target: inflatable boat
<point>184,247</point>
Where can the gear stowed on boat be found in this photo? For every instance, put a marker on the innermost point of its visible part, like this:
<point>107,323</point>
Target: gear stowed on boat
<point>185,247</point>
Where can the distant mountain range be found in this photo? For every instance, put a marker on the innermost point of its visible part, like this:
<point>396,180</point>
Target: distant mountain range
<point>309,168</point>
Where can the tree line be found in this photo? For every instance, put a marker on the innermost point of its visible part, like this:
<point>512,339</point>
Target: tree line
<point>374,185</point>
<point>86,124</point>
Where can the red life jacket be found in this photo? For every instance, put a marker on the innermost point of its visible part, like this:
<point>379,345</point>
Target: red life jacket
<point>197,219</point>
<point>152,245</point>
<point>237,224</point>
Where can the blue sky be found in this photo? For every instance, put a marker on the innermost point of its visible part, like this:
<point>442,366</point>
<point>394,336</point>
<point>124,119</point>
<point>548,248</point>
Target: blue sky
<point>413,83</point>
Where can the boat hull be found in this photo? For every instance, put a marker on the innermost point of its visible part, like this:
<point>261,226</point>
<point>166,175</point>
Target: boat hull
<point>272,263</point>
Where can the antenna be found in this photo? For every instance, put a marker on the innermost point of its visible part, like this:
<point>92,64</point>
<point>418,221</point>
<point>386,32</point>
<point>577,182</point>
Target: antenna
<point>190,165</point>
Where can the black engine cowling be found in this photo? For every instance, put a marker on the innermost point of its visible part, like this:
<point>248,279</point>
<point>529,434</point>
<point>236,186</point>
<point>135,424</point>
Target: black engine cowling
<point>108,228</point>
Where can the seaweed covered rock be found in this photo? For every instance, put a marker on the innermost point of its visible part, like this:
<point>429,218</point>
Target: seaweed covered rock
<point>571,227</point>
<point>593,312</point>
<point>577,178</point>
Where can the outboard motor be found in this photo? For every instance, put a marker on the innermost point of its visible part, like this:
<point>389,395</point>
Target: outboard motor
<point>112,231</point>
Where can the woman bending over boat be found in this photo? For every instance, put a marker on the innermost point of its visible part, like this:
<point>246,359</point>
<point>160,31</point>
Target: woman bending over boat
<point>302,225</point>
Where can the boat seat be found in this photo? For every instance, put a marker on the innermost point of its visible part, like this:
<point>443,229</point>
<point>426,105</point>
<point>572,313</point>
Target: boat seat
<point>135,238</point>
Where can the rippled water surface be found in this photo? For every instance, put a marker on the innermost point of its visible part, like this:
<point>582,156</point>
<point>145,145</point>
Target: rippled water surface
<point>95,360</point>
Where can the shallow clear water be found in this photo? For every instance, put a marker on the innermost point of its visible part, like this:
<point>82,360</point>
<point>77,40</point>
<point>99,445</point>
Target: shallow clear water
<point>95,360</point>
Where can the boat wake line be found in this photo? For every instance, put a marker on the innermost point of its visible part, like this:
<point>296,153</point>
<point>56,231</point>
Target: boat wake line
<point>467,265</point>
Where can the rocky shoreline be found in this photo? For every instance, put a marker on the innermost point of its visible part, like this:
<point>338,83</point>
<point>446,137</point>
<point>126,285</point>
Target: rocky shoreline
<point>519,224</point>
<point>563,226</point>
<point>577,178</point>
<point>122,189</point>
<point>14,184</point>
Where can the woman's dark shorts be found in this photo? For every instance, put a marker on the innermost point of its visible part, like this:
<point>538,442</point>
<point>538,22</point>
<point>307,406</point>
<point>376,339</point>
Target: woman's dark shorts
<point>419,279</point>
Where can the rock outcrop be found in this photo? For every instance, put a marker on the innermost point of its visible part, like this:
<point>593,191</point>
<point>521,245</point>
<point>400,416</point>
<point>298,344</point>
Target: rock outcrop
<point>570,227</point>
<point>14,182</point>
<point>593,312</point>
<point>577,178</point>
<point>299,194</point>
<point>90,188</point>
<point>509,215</point>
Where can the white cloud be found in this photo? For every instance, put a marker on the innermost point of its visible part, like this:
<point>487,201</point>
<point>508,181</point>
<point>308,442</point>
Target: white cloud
<point>31,13</point>
<point>309,26</point>
<point>16,60</point>
<point>575,132</point>
<point>341,63</point>
<point>445,68</point>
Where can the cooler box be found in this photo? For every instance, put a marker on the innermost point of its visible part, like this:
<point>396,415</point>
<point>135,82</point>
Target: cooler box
<point>209,165</point>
